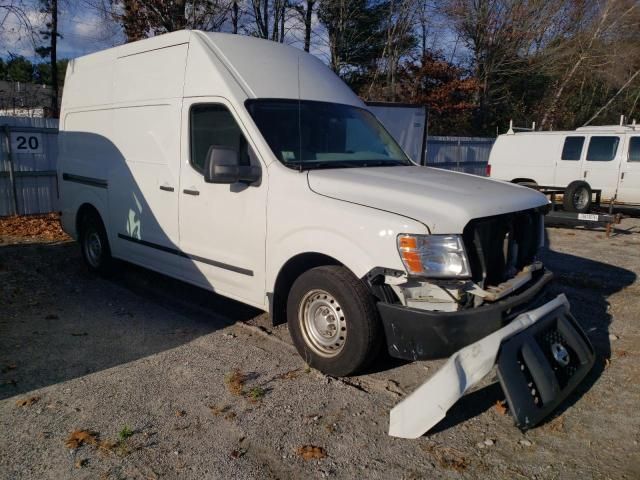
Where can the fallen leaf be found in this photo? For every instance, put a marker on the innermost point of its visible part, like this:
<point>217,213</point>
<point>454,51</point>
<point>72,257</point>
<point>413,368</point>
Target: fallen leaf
<point>46,227</point>
<point>27,402</point>
<point>180,413</point>
<point>501,407</point>
<point>216,410</point>
<point>291,374</point>
<point>81,462</point>
<point>310,452</point>
<point>447,457</point>
<point>235,382</point>
<point>80,437</point>
<point>238,453</point>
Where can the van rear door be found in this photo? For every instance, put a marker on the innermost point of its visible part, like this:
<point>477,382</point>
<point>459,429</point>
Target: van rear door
<point>629,188</point>
<point>602,164</point>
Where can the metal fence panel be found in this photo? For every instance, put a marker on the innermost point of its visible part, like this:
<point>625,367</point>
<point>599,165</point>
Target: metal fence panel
<point>462,154</point>
<point>34,174</point>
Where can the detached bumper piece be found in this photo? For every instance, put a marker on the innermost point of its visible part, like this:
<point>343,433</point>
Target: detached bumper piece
<point>540,366</point>
<point>542,355</point>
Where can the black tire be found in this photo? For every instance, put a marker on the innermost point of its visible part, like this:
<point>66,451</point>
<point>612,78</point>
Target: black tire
<point>577,197</point>
<point>357,325</point>
<point>94,244</point>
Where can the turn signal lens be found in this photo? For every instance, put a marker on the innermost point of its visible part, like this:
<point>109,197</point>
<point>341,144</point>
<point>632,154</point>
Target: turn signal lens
<point>439,256</point>
<point>405,241</point>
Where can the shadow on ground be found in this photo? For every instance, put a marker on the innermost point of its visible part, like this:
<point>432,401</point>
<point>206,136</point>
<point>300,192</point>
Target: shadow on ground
<point>60,322</point>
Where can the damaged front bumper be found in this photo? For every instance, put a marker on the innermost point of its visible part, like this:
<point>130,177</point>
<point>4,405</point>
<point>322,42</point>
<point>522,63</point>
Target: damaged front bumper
<point>543,356</point>
<point>417,334</point>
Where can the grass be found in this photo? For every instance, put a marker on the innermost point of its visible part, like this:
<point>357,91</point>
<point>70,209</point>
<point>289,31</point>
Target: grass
<point>256,393</point>
<point>124,433</point>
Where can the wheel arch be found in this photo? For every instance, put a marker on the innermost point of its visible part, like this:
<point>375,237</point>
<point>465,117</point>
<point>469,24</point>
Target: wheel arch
<point>524,180</point>
<point>288,273</point>
<point>85,209</point>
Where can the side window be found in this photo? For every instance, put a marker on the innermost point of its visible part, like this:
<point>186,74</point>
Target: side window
<point>213,124</point>
<point>572,149</point>
<point>602,149</point>
<point>634,149</point>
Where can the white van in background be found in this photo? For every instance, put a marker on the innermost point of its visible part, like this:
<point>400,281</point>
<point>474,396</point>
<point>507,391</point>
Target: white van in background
<point>606,158</point>
<point>248,168</point>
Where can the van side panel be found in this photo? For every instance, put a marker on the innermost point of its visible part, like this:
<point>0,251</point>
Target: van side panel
<point>154,74</point>
<point>525,156</point>
<point>84,156</point>
<point>146,132</point>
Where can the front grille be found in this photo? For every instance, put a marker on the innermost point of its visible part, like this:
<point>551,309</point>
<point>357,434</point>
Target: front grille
<point>500,246</point>
<point>563,373</point>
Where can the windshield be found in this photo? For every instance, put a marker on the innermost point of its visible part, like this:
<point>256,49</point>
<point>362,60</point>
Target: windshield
<point>309,134</point>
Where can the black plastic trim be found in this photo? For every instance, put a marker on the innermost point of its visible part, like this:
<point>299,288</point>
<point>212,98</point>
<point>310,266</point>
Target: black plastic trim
<point>180,253</point>
<point>415,334</point>
<point>533,381</point>
<point>94,182</point>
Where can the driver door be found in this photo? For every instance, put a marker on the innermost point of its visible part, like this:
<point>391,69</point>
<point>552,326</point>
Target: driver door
<point>222,226</point>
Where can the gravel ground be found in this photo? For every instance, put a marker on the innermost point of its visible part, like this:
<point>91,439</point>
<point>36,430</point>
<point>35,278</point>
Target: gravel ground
<point>171,381</point>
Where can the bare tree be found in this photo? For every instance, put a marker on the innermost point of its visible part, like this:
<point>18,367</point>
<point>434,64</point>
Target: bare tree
<point>14,16</point>
<point>304,10</point>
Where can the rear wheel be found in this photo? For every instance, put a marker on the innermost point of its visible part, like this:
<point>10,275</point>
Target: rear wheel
<point>95,244</point>
<point>577,197</point>
<point>333,321</point>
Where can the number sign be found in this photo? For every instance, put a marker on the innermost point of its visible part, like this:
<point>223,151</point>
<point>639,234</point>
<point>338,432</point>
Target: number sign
<point>25,142</point>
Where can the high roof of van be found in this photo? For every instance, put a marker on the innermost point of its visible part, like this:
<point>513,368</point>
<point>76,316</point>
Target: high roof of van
<point>200,64</point>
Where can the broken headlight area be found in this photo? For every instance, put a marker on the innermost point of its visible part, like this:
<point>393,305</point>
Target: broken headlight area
<point>493,258</point>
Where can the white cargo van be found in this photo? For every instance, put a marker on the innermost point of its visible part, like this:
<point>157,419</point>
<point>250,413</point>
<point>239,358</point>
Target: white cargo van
<point>248,168</point>
<point>605,158</point>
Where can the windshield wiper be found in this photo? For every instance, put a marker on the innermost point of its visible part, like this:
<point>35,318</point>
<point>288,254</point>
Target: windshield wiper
<point>317,165</point>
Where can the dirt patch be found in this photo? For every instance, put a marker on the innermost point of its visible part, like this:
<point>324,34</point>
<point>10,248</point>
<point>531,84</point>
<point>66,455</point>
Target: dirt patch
<point>179,387</point>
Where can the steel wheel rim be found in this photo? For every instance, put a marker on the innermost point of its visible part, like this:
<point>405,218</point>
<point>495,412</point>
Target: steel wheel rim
<point>581,198</point>
<point>322,322</point>
<point>93,248</point>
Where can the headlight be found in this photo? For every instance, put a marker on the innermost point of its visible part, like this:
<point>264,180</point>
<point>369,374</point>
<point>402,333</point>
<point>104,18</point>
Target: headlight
<point>441,256</point>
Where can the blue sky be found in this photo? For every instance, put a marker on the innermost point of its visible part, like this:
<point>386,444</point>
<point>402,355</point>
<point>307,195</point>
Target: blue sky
<point>82,26</point>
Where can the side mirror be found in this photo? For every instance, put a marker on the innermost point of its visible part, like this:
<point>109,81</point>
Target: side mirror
<point>222,165</point>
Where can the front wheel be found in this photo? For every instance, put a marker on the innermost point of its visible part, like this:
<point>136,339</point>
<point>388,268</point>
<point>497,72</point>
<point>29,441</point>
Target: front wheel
<point>333,321</point>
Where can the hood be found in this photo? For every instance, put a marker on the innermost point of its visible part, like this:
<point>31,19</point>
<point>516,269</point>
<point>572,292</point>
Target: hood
<point>444,201</point>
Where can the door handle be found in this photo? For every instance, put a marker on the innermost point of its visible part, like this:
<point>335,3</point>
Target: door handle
<point>191,192</point>
<point>585,174</point>
<point>622,176</point>
<point>166,188</point>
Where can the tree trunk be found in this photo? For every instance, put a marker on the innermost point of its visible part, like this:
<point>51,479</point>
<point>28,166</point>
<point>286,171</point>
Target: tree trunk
<point>282,15</point>
<point>307,24</point>
<point>234,16</point>
<point>54,58</point>
<point>265,19</point>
